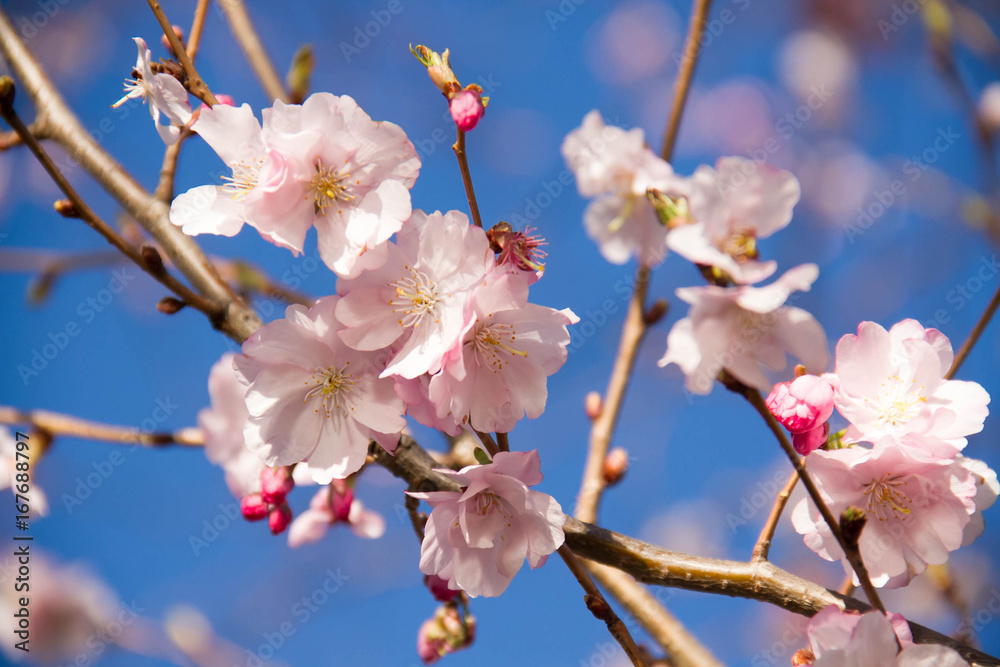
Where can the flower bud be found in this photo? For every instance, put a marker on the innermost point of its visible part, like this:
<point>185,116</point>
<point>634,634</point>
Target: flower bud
<point>810,441</point>
<point>593,405</point>
<point>803,657</point>
<point>615,466</point>
<point>66,208</point>
<point>341,499</point>
<point>439,588</point>
<point>225,100</point>
<point>253,507</point>
<point>431,644</point>
<point>466,109</point>
<point>279,518</point>
<point>438,68</point>
<point>179,31</point>
<point>803,404</point>
<point>275,484</point>
<point>168,305</point>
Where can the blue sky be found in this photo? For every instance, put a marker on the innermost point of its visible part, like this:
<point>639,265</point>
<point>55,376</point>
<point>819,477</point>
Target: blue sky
<point>696,460</point>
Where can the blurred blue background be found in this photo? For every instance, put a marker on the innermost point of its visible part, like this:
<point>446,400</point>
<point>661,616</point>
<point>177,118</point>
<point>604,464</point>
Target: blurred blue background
<point>845,100</point>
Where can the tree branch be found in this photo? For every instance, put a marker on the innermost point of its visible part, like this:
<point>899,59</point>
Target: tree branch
<point>974,335</point>
<point>243,30</point>
<point>238,320</point>
<point>692,49</point>
<point>196,84</point>
<point>463,166</point>
<point>55,424</point>
<point>763,546</point>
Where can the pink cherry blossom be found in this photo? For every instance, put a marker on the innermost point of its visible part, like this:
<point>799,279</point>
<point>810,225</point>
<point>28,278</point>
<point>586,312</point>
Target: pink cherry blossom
<point>917,508</point>
<point>163,93</point>
<point>419,406</point>
<point>803,404</point>
<point>311,398</point>
<point>466,109</point>
<point>332,505</point>
<point>617,168</point>
<point>257,192</point>
<point>420,296</point>
<point>223,425</point>
<point>478,538</point>
<point>498,374</point>
<point>891,383</point>
<point>847,639</point>
<point>811,440</point>
<point>519,251</point>
<point>987,490</point>
<point>38,504</point>
<point>731,207</point>
<point>743,329</point>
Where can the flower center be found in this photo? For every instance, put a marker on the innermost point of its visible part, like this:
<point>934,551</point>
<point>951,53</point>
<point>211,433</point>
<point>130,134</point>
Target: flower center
<point>751,326</point>
<point>327,187</point>
<point>244,178</point>
<point>524,251</point>
<point>331,386</point>
<point>898,403</point>
<point>887,500</point>
<point>741,245</point>
<point>416,298</point>
<point>494,344</point>
<point>620,219</point>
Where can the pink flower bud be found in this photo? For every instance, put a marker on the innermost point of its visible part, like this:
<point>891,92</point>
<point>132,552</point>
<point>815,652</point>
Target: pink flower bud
<point>179,31</point>
<point>810,441</point>
<point>340,502</point>
<point>615,466</point>
<point>275,484</point>
<point>466,109</point>
<point>279,518</point>
<point>803,404</point>
<point>225,100</point>
<point>253,507</point>
<point>439,588</point>
<point>593,405</point>
<point>431,644</point>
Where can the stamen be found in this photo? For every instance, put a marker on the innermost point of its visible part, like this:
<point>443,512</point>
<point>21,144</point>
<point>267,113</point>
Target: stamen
<point>886,500</point>
<point>332,386</point>
<point>244,178</point>
<point>416,298</point>
<point>488,342</point>
<point>327,187</point>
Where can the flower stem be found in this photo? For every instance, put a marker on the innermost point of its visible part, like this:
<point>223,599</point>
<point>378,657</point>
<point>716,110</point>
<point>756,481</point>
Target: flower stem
<point>763,546</point>
<point>974,335</point>
<point>463,165</point>
<point>196,85</point>
<point>692,49</point>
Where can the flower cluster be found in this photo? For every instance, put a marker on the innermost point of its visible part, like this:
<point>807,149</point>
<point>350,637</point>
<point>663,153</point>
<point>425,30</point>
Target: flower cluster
<point>713,219</point>
<point>163,93</point>
<point>898,460</point>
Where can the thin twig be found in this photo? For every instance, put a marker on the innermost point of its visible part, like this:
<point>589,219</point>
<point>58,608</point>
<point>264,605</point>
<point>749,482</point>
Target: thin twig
<point>755,399</point>
<point>168,170</point>
<point>196,84</point>
<point>692,49</point>
<point>974,335</point>
<point>488,443</point>
<point>197,27</point>
<point>243,30</point>
<point>502,442</point>
<point>763,546</point>
<point>463,165</point>
<point>600,608</point>
<point>64,128</point>
<point>56,424</point>
<point>87,214</point>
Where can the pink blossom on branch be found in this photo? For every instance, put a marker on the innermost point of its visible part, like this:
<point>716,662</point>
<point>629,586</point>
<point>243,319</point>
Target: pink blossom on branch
<point>420,296</point>
<point>478,538</point>
<point>917,508</point>
<point>803,404</point>
<point>891,383</point>
<point>466,109</point>
<point>497,375</point>
<point>162,92</point>
<point>743,329</point>
<point>311,398</point>
<point>617,168</point>
<point>731,207</point>
<point>332,505</point>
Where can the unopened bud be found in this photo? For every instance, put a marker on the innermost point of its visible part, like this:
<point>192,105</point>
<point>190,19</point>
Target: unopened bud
<point>438,68</point>
<point>253,507</point>
<point>466,109</point>
<point>593,405</point>
<point>800,370</point>
<point>279,518</point>
<point>341,501</point>
<point>179,31</point>
<point>153,260</point>
<point>803,657</point>
<point>672,211</point>
<point>225,100</point>
<point>275,484</point>
<point>66,208</point>
<point>439,588</point>
<point>168,305</point>
<point>6,92</point>
<point>615,466</point>
<point>656,312</point>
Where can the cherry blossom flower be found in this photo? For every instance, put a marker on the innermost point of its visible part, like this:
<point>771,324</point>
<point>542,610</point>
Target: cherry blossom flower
<point>498,374</point>
<point>891,383</point>
<point>311,398</point>
<point>349,177</point>
<point>846,639</point>
<point>256,193</point>
<point>223,425</point>
<point>478,538</point>
<point>811,440</point>
<point>803,404</point>
<point>332,505</point>
<point>420,296</point>
<point>987,490</point>
<point>162,92</point>
<point>617,168</point>
<point>518,251</point>
<point>38,504</point>
<point>917,508</point>
<point>466,109</point>
<point>421,408</point>
<point>731,207</point>
<point>744,328</point>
